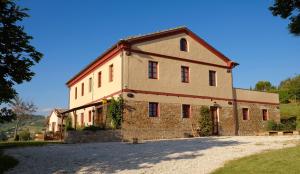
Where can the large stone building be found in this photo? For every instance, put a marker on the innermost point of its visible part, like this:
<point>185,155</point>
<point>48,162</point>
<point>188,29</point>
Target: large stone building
<point>164,78</point>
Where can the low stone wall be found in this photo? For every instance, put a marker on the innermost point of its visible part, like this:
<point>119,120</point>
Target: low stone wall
<point>93,136</point>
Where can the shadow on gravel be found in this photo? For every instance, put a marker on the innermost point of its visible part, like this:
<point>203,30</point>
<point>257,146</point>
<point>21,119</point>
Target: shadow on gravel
<point>120,156</point>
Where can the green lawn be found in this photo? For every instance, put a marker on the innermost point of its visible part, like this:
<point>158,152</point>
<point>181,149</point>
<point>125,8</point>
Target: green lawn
<point>285,161</point>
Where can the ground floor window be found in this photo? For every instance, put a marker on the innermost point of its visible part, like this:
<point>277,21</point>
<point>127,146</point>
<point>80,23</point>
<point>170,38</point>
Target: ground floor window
<point>90,116</point>
<point>245,114</point>
<point>153,109</point>
<point>186,111</point>
<point>82,119</point>
<point>265,114</point>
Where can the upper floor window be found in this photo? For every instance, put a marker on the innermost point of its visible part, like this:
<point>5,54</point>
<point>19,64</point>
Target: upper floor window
<point>152,70</point>
<point>111,72</point>
<point>265,114</point>
<point>99,79</point>
<point>75,92</point>
<point>185,77</point>
<point>245,114</point>
<point>153,109</point>
<point>82,89</point>
<point>212,78</point>
<point>183,45</point>
<point>90,84</point>
<point>186,111</point>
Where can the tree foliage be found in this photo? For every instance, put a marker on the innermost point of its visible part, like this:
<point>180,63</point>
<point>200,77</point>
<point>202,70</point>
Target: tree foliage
<point>17,55</point>
<point>264,86</point>
<point>22,109</point>
<point>6,115</point>
<point>205,122</point>
<point>288,9</point>
<point>290,89</point>
<point>115,112</point>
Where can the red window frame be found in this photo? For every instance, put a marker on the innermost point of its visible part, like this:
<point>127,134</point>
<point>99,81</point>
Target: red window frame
<point>265,114</point>
<point>152,69</point>
<point>82,89</point>
<point>90,84</point>
<point>185,74</point>
<point>111,72</point>
<point>212,78</point>
<point>186,111</point>
<point>99,79</point>
<point>90,116</point>
<point>245,112</point>
<point>75,92</point>
<point>153,109</point>
<point>82,119</point>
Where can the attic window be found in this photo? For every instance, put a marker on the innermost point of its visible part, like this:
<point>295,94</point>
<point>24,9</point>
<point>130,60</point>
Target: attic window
<point>183,45</point>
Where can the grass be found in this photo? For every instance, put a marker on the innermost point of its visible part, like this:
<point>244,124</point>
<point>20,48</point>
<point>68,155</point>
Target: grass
<point>7,162</point>
<point>285,161</point>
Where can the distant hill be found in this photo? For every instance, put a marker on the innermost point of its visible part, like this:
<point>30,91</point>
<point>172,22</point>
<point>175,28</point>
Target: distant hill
<point>35,124</point>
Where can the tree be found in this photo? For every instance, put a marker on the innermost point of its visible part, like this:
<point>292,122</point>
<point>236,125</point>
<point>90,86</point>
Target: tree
<point>23,110</point>
<point>6,115</point>
<point>264,86</point>
<point>205,122</point>
<point>288,9</point>
<point>290,88</point>
<point>17,55</point>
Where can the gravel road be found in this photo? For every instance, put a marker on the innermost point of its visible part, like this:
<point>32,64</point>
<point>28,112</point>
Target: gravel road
<point>196,155</point>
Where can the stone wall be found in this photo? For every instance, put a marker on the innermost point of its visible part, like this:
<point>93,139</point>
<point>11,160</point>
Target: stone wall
<point>169,124</point>
<point>255,124</point>
<point>93,136</point>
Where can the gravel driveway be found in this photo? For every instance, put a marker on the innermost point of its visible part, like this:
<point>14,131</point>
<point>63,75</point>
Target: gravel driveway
<point>197,155</point>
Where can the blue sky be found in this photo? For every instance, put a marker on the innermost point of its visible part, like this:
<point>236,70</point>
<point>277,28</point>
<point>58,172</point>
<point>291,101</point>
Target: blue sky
<point>71,34</point>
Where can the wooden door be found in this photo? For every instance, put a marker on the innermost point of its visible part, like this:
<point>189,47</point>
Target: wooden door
<point>215,120</point>
<point>99,118</point>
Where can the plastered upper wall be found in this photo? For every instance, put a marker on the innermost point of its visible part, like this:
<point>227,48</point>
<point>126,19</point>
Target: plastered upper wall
<point>243,94</point>
<point>169,77</point>
<point>170,46</point>
<point>107,87</point>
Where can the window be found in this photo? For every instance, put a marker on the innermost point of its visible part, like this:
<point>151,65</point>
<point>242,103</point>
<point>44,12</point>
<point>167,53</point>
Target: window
<point>152,70</point>
<point>82,89</point>
<point>153,109</point>
<point>265,114</point>
<point>111,72</point>
<point>90,84</point>
<point>75,92</point>
<point>185,74</point>
<point>90,116</point>
<point>99,79</point>
<point>82,119</point>
<point>245,114</point>
<point>183,45</point>
<point>212,78</point>
<point>186,111</point>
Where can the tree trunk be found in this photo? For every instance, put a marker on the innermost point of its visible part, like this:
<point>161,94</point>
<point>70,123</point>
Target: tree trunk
<point>16,129</point>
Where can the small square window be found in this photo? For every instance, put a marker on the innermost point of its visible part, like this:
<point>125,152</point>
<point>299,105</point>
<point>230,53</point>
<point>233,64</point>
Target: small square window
<point>153,109</point>
<point>245,114</point>
<point>186,111</point>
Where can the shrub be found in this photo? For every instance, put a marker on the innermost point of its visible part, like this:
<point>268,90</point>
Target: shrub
<point>69,124</point>
<point>3,136</point>
<point>288,124</point>
<point>115,111</point>
<point>93,128</point>
<point>205,122</point>
<point>24,135</point>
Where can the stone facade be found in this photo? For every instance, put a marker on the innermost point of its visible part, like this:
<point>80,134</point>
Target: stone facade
<point>255,125</point>
<point>170,124</point>
<point>93,136</point>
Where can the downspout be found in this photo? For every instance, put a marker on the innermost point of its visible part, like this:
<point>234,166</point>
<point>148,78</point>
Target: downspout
<point>234,103</point>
